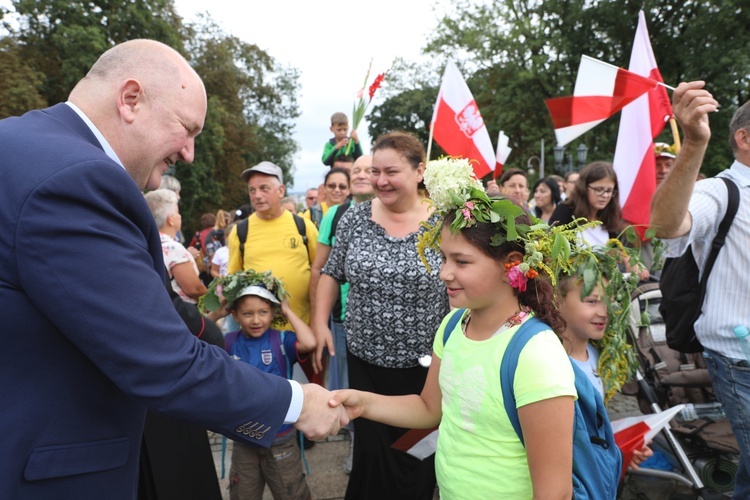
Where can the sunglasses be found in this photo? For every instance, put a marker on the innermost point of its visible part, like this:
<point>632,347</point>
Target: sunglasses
<point>342,187</point>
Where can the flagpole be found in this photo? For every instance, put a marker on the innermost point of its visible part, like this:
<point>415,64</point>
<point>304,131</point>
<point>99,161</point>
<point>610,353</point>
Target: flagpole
<point>675,135</point>
<point>429,144</point>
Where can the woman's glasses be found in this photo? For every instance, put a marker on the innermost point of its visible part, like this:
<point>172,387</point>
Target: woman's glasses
<point>600,191</point>
<point>342,187</point>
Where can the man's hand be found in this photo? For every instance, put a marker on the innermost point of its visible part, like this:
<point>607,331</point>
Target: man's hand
<point>691,104</point>
<point>318,419</point>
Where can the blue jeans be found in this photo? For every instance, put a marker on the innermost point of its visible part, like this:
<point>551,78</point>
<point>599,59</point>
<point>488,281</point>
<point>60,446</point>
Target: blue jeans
<point>339,372</point>
<point>731,384</point>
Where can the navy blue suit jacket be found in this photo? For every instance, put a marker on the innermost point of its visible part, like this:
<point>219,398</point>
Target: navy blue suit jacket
<point>89,335</point>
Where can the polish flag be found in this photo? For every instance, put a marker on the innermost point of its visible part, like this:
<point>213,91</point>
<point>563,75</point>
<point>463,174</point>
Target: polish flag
<point>457,124</point>
<point>419,443</point>
<point>503,151</point>
<point>641,121</point>
<point>633,433</point>
<point>601,91</point>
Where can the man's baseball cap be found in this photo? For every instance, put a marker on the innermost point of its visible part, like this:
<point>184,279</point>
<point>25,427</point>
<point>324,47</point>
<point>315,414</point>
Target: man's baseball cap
<point>264,167</point>
<point>664,149</point>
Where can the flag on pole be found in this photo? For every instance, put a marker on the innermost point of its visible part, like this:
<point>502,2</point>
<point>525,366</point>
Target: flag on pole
<point>503,151</point>
<point>641,121</point>
<point>633,433</point>
<point>457,124</point>
<point>601,91</point>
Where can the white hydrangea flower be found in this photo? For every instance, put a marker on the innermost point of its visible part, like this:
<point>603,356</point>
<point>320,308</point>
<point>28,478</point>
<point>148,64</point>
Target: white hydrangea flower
<point>449,175</point>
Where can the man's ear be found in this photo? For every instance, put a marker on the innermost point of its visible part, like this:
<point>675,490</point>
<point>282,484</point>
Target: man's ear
<point>283,190</point>
<point>129,99</point>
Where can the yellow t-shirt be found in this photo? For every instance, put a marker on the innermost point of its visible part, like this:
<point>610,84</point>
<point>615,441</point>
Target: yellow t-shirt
<point>308,215</point>
<point>277,245</point>
<point>478,453</point>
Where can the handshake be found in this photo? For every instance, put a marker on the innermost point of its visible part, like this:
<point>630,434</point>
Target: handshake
<point>325,412</point>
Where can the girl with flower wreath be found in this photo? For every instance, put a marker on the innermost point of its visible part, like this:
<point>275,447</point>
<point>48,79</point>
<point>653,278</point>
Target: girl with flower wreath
<point>494,265</point>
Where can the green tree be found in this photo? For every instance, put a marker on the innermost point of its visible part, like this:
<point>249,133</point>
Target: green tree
<point>515,54</point>
<point>21,84</point>
<point>62,39</point>
<point>251,112</point>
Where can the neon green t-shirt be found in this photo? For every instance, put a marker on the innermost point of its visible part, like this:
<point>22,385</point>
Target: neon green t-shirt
<point>479,454</point>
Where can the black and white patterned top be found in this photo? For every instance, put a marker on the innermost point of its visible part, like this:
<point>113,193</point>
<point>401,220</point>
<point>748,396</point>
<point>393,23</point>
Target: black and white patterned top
<point>394,306</point>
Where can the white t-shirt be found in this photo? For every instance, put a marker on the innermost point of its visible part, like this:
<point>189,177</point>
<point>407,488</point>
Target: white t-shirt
<point>221,259</point>
<point>591,368</point>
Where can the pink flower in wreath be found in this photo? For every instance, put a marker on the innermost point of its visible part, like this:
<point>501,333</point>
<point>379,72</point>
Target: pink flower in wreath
<point>467,213</point>
<point>219,289</point>
<point>469,205</point>
<point>517,279</point>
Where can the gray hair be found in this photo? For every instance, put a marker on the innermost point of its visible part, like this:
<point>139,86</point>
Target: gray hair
<point>170,182</point>
<point>740,121</point>
<point>162,203</point>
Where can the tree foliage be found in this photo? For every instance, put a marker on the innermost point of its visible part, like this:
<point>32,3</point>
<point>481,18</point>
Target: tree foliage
<point>51,44</point>
<point>517,53</point>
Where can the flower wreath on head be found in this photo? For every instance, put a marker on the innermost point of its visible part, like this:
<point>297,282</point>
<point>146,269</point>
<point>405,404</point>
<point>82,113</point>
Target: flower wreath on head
<point>453,187</point>
<point>230,288</point>
<point>600,265</point>
<point>557,251</point>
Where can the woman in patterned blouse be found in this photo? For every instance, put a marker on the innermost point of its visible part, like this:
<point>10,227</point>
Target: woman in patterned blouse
<point>394,308</point>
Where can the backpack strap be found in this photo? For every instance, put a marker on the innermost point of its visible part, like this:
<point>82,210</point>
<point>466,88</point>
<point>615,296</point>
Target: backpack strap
<point>242,235</point>
<point>508,366</point>
<point>302,230</point>
<point>733,202</point>
<point>229,340</point>
<point>337,216</point>
<point>452,322</point>
<point>279,354</point>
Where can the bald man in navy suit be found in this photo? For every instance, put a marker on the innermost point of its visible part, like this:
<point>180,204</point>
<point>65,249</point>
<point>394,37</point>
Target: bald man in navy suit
<point>90,338</point>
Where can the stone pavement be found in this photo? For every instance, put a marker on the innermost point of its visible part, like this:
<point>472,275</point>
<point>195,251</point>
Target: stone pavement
<point>327,479</point>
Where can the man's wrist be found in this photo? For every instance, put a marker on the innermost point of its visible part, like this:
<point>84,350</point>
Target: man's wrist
<point>295,405</point>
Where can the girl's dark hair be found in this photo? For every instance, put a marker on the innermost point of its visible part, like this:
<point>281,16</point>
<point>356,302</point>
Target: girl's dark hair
<point>405,144</point>
<point>338,170</point>
<point>539,295</point>
<point>553,186</point>
<point>611,215</point>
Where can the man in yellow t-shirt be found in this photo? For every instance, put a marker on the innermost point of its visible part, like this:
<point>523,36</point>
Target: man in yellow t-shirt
<point>273,240</point>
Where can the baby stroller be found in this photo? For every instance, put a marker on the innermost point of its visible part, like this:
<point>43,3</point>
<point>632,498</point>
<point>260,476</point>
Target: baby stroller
<point>702,452</point>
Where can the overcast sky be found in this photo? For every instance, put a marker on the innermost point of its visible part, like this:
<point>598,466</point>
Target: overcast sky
<point>330,43</point>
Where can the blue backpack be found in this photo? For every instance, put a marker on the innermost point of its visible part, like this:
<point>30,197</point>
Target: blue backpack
<point>277,347</point>
<point>597,461</point>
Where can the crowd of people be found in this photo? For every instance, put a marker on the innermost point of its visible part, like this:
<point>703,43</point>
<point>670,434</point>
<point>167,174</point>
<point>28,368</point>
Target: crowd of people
<point>357,289</point>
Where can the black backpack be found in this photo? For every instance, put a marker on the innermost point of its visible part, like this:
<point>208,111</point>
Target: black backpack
<point>682,293</point>
<point>242,234</point>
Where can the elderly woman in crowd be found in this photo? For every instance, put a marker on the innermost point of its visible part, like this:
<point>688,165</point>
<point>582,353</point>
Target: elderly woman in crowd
<point>180,264</point>
<point>394,308</point>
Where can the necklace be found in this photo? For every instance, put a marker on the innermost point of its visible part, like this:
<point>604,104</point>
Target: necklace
<point>514,319</point>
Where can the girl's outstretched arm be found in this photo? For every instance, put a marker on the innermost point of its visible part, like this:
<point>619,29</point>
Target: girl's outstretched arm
<point>547,427</point>
<point>414,411</point>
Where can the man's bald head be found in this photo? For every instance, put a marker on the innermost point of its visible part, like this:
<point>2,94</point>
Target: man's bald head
<point>149,105</point>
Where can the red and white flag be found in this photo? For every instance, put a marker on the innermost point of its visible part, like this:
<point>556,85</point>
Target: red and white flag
<point>641,121</point>
<point>503,151</point>
<point>633,433</point>
<point>457,124</point>
<point>419,443</point>
<point>601,91</point>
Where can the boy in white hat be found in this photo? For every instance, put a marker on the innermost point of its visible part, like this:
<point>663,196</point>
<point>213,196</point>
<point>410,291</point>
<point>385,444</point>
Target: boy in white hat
<point>257,301</point>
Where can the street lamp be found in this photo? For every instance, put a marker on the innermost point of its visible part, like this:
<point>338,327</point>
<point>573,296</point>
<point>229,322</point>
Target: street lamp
<point>564,161</point>
<point>582,151</point>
